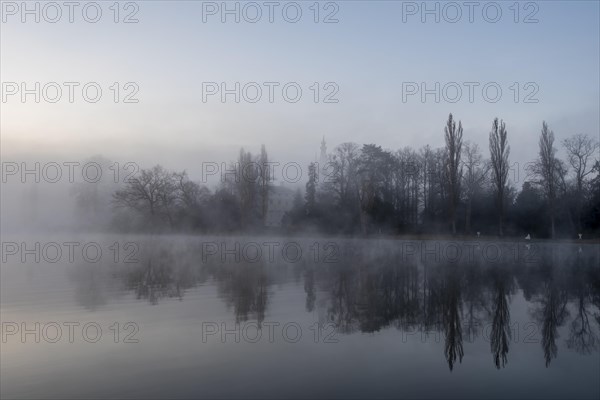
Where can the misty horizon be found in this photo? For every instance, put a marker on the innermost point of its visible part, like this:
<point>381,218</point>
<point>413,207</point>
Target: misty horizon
<point>299,199</point>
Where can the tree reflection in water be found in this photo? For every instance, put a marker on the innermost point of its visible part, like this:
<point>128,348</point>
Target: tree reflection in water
<point>582,336</point>
<point>500,335</point>
<point>372,287</point>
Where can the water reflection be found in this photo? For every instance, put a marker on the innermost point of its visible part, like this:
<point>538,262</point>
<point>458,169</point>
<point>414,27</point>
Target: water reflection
<point>452,307</point>
<point>502,283</point>
<point>373,286</point>
<point>160,276</point>
<point>89,289</point>
<point>582,337</point>
<point>245,289</point>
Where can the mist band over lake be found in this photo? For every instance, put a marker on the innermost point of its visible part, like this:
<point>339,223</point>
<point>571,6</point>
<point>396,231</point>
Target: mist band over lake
<point>299,199</point>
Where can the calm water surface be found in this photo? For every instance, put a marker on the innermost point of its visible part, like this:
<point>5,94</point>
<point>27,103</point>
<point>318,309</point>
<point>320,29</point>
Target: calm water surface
<point>177,317</point>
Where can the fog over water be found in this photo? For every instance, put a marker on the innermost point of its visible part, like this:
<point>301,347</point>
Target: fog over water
<point>310,199</point>
<point>202,317</point>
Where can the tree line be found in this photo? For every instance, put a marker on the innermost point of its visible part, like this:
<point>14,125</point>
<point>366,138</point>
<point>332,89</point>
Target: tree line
<point>454,189</point>
<point>366,189</point>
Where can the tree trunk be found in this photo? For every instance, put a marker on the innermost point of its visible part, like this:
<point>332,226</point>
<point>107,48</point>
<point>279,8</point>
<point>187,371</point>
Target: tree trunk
<point>570,218</point>
<point>501,213</point>
<point>578,206</point>
<point>552,230</point>
<point>468,217</point>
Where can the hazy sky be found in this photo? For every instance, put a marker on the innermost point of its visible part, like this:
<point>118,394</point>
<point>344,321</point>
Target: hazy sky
<point>368,54</point>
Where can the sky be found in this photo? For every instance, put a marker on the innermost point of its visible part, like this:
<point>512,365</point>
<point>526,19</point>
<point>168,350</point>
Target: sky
<point>367,61</point>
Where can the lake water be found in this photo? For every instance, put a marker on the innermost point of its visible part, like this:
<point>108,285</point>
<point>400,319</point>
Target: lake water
<point>191,317</point>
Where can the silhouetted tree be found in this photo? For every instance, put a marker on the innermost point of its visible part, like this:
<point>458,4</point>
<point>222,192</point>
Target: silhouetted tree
<point>549,172</point>
<point>580,148</point>
<point>311,190</point>
<point>264,182</point>
<point>473,178</point>
<point>453,138</point>
<point>499,152</point>
<point>152,192</point>
<point>528,210</point>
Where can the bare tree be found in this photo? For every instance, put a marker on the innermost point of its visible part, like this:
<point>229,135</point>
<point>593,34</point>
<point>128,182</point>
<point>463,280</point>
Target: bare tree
<point>341,172</point>
<point>191,197</point>
<point>406,176</point>
<point>453,137</point>
<point>375,177</point>
<point>549,171</point>
<point>153,191</point>
<point>580,148</point>
<point>473,178</point>
<point>246,185</point>
<point>499,152</point>
<point>432,161</point>
<point>264,178</point>
<point>311,190</point>
<point>188,191</point>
